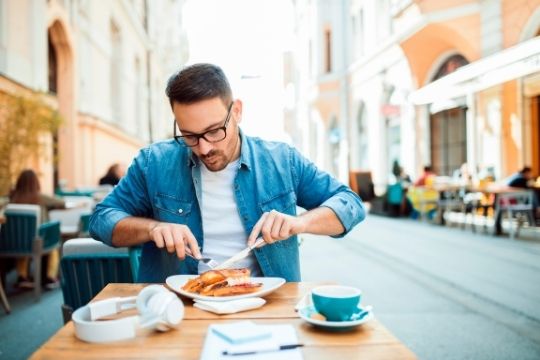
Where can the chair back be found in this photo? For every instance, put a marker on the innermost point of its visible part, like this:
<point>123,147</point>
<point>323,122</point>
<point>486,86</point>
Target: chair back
<point>394,194</point>
<point>520,200</point>
<point>87,266</point>
<point>84,225</point>
<point>20,230</point>
<point>50,234</point>
<point>135,253</point>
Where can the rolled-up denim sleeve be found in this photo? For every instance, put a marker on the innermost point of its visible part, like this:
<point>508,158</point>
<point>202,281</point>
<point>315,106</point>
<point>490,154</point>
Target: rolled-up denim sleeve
<point>316,188</point>
<point>129,198</point>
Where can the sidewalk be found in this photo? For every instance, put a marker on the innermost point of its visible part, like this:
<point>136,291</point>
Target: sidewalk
<point>446,293</point>
<point>30,323</point>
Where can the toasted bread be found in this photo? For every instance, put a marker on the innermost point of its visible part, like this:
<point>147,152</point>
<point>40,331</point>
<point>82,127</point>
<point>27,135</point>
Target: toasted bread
<point>222,283</point>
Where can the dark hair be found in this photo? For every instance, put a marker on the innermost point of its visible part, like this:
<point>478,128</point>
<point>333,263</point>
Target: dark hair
<point>27,188</point>
<point>525,169</point>
<point>427,168</point>
<point>198,82</point>
<point>111,172</point>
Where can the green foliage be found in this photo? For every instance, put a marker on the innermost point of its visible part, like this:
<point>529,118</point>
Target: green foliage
<point>24,121</point>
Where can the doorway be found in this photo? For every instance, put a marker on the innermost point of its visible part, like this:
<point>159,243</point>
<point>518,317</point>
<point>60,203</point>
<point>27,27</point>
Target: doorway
<point>448,140</point>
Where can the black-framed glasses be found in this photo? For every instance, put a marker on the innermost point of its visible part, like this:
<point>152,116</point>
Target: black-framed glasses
<point>211,136</point>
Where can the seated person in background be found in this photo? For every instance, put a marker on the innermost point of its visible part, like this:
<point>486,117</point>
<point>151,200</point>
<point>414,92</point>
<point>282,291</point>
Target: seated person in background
<point>426,174</point>
<point>521,178</point>
<point>113,176</point>
<point>404,178</point>
<point>27,191</point>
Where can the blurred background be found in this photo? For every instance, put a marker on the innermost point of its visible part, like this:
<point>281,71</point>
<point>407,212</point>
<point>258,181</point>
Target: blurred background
<point>418,105</point>
<point>356,85</point>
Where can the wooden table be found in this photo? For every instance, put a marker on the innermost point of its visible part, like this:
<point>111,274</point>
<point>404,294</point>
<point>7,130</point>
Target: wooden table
<point>369,341</point>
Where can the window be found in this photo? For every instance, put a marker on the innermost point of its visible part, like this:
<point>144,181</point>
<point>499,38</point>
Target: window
<point>115,76</point>
<point>328,50</point>
<point>53,67</point>
<point>360,34</point>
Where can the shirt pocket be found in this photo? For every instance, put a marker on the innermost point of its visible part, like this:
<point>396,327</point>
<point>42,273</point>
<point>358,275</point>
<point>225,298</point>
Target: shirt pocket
<point>284,203</point>
<point>170,209</point>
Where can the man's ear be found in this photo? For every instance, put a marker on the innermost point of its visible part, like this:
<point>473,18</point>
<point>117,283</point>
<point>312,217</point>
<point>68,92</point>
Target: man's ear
<point>237,110</point>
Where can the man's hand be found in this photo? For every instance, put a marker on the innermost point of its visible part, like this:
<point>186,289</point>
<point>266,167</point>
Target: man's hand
<point>275,226</point>
<point>176,238</point>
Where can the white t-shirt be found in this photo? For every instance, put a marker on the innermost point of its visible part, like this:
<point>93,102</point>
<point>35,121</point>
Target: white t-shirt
<point>224,233</point>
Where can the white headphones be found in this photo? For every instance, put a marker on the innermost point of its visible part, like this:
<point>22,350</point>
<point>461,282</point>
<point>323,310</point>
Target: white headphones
<point>159,309</point>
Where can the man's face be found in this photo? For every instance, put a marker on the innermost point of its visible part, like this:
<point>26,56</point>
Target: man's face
<point>206,115</point>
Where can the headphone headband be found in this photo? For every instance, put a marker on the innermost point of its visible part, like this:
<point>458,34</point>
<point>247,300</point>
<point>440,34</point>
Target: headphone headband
<point>158,308</point>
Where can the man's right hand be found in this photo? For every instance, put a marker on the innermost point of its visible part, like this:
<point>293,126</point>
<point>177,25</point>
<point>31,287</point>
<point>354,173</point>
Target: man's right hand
<point>175,238</point>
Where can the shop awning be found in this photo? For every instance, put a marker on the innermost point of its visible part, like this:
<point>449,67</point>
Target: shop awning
<point>509,64</point>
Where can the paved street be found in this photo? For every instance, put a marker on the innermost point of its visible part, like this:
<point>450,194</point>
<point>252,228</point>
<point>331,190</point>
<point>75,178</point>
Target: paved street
<point>445,292</point>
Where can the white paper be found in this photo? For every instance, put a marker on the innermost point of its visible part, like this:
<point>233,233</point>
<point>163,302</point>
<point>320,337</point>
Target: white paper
<point>230,307</point>
<point>241,332</point>
<point>214,345</point>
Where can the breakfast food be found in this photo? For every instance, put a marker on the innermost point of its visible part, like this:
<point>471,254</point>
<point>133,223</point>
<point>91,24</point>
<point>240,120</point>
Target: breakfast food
<point>226,282</point>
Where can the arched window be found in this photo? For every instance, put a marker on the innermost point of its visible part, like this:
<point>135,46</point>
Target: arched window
<point>451,64</point>
<point>53,66</point>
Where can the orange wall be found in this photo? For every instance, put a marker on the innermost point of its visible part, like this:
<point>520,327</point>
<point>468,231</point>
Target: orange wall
<point>515,14</point>
<point>102,145</point>
<point>426,46</point>
<point>328,101</point>
<point>438,5</point>
<point>511,147</point>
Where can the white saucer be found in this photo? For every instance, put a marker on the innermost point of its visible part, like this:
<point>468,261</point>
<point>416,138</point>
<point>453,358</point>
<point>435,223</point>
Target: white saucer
<point>306,313</point>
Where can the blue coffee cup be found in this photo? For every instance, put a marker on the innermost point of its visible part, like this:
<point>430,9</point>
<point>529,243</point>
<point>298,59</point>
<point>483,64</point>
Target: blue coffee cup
<point>336,302</point>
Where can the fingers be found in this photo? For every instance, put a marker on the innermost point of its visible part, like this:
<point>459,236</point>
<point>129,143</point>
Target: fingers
<point>256,229</point>
<point>175,238</point>
<point>192,245</point>
<point>273,226</point>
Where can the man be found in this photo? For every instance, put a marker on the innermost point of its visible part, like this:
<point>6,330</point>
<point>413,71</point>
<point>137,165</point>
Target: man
<point>521,178</point>
<point>213,191</point>
<point>428,173</point>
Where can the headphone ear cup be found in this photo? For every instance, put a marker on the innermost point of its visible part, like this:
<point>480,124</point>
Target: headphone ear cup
<point>159,308</point>
<point>145,295</point>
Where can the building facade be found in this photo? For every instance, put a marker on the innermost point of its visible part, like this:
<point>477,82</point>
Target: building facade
<point>104,66</point>
<point>431,82</point>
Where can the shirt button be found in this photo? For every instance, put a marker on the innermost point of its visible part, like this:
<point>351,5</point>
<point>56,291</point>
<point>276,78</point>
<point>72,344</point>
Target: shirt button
<point>180,211</point>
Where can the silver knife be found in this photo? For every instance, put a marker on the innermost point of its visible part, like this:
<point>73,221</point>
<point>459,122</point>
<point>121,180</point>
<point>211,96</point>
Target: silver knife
<point>239,256</point>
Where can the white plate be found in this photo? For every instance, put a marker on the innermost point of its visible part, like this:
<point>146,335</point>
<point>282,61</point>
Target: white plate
<point>270,284</point>
<point>332,325</point>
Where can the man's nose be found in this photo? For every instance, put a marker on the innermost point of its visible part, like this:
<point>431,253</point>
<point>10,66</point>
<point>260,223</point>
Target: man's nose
<point>204,146</point>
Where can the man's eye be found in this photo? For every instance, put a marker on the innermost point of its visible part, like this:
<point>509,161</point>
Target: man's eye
<point>213,132</point>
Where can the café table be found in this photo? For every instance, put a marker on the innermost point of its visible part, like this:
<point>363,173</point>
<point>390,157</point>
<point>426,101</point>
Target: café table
<point>498,192</point>
<point>368,341</point>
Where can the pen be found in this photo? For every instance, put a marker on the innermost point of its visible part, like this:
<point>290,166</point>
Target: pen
<point>281,347</point>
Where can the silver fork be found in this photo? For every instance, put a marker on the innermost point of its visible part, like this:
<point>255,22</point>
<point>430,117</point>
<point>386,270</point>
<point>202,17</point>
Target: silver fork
<point>211,263</point>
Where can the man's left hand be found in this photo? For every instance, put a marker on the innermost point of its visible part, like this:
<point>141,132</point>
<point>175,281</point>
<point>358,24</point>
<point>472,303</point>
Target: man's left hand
<point>275,226</point>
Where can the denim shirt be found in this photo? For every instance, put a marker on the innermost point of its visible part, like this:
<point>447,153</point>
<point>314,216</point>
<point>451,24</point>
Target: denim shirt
<point>164,183</point>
